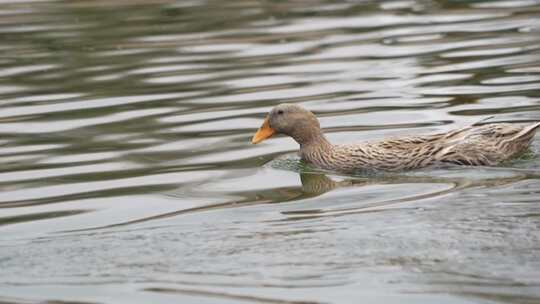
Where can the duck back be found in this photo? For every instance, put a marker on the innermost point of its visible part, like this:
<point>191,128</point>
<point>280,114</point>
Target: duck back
<point>485,145</point>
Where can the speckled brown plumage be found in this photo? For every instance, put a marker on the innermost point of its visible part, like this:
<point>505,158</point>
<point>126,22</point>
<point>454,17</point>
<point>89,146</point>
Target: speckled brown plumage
<point>485,145</point>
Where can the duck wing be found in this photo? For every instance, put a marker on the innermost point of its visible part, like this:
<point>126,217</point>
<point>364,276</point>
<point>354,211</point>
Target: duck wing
<point>393,154</point>
<point>486,145</point>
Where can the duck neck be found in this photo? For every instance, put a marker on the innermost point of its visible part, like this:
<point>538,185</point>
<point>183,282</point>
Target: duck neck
<point>314,146</point>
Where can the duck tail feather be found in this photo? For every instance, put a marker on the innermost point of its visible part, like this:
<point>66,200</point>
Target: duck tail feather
<point>527,133</point>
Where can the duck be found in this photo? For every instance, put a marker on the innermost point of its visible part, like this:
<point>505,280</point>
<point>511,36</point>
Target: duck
<point>488,144</point>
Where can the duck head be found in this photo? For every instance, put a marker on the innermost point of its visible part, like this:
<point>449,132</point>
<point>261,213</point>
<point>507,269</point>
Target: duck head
<point>291,120</point>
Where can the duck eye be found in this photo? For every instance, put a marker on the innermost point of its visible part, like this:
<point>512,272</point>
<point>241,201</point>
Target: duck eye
<point>280,112</point>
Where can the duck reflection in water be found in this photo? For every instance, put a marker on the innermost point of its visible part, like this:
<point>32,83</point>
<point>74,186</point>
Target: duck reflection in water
<point>429,187</point>
<point>314,184</point>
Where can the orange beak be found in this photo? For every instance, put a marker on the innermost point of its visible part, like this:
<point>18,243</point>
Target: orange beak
<point>264,132</point>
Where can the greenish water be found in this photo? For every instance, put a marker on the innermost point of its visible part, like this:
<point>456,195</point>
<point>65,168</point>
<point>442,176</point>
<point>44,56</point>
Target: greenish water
<point>127,173</point>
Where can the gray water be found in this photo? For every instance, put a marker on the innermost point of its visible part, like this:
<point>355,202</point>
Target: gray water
<point>128,176</point>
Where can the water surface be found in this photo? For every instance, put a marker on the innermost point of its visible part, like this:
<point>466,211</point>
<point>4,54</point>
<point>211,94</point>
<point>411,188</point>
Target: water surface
<point>128,175</point>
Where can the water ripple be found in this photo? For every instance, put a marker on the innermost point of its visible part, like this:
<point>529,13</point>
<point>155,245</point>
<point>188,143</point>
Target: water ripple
<point>127,165</point>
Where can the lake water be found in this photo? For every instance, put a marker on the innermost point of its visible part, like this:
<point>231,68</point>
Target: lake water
<point>128,176</point>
